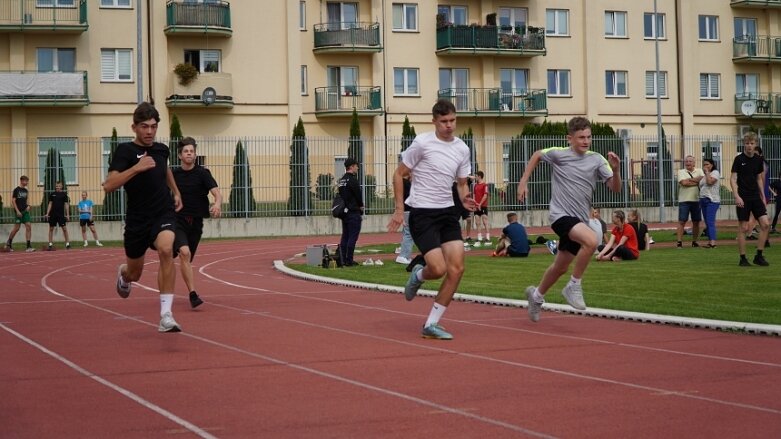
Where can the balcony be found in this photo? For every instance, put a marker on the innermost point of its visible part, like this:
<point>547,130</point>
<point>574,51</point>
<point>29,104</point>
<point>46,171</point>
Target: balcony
<point>28,16</point>
<point>490,40</point>
<point>43,89</point>
<point>495,102</point>
<point>192,94</point>
<point>340,101</point>
<point>347,38</point>
<point>757,48</point>
<point>189,18</point>
<point>764,4</point>
<point>765,105</point>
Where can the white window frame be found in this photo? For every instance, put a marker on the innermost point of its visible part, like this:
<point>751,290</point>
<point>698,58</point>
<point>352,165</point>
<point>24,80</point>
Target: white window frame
<point>116,4</point>
<point>712,89</point>
<point>612,27</point>
<point>652,151</point>
<point>449,11</point>
<point>115,58</point>
<point>514,15</point>
<point>553,22</point>
<point>650,84</point>
<point>407,73</point>
<point>506,161</point>
<point>302,15</point>
<point>66,155</point>
<point>206,56</point>
<point>614,80</point>
<point>658,26</point>
<point>105,143</point>
<point>559,74</point>
<point>711,25</point>
<point>750,85</point>
<point>304,81</point>
<point>716,146</point>
<point>55,58</point>
<point>55,3</point>
<point>403,9</point>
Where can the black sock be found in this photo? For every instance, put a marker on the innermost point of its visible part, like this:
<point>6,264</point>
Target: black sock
<point>759,252</point>
<point>743,258</point>
<point>28,244</point>
<point>193,293</point>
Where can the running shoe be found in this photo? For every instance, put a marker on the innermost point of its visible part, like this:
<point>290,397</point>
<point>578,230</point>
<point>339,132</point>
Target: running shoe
<point>195,301</point>
<point>402,260</point>
<point>534,307</point>
<point>574,295</point>
<point>98,244</point>
<point>123,288</point>
<point>30,250</point>
<point>553,246</point>
<point>413,284</point>
<point>436,332</point>
<point>760,260</point>
<point>168,324</point>
<point>744,263</point>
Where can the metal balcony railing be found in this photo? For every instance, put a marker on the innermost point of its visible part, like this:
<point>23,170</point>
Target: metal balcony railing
<point>37,15</point>
<point>343,99</point>
<point>497,101</point>
<point>22,88</point>
<point>347,37</point>
<point>207,17</point>
<point>756,3</point>
<point>491,40</point>
<point>764,105</point>
<point>759,48</point>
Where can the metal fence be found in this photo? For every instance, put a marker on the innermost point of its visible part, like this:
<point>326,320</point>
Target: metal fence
<point>275,176</point>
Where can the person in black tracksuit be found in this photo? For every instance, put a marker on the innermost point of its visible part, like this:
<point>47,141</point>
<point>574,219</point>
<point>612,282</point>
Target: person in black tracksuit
<point>350,190</point>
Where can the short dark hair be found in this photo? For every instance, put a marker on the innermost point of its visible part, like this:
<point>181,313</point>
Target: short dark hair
<point>24,177</point>
<point>511,215</point>
<point>145,111</point>
<point>480,174</point>
<point>184,141</point>
<point>577,124</point>
<point>443,107</point>
<point>349,162</point>
<point>711,162</point>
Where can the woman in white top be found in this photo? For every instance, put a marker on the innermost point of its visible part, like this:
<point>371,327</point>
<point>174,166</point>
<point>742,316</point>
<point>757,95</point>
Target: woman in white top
<point>710,198</point>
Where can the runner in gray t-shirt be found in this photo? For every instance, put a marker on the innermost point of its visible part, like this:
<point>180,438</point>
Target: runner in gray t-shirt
<point>576,171</point>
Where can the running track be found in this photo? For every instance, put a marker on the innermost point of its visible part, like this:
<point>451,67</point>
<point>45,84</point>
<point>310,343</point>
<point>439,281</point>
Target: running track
<point>271,356</point>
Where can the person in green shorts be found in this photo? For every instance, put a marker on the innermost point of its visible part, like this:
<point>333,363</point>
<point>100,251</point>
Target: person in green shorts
<point>22,210</point>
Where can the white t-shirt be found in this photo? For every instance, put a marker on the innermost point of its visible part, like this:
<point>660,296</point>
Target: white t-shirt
<point>711,191</point>
<point>435,165</point>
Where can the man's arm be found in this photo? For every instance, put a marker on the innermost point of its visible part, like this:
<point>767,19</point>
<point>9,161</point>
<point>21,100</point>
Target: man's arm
<point>464,196</point>
<point>169,178</point>
<point>614,182</point>
<point>117,179</point>
<point>216,209</point>
<point>522,185</point>
<point>761,186</point>
<point>733,184</point>
<point>16,208</point>
<point>397,219</point>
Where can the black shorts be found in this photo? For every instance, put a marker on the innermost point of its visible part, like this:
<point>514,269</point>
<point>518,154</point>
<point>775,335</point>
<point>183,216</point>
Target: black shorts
<point>430,228</point>
<point>751,207</point>
<point>188,232</point>
<point>462,213</point>
<point>86,222</point>
<point>481,211</point>
<point>562,227</point>
<point>624,253</point>
<point>57,220</point>
<point>141,233</point>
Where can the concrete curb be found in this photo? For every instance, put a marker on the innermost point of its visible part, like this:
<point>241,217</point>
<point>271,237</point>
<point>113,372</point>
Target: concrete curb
<point>721,325</point>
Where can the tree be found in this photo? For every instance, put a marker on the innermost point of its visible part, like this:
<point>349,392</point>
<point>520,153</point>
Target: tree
<point>649,184</point>
<point>173,139</point>
<point>54,172</point>
<point>469,138</point>
<point>299,202</point>
<point>113,201</point>
<point>355,150</point>
<point>241,201</point>
<point>407,134</point>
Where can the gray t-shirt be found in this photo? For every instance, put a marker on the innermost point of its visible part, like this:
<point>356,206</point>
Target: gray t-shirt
<point>574,178</point>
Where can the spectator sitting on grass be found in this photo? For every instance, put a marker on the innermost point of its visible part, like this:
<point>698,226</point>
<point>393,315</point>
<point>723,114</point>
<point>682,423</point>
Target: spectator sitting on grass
<point>514,240</point>
<point>622,245</point>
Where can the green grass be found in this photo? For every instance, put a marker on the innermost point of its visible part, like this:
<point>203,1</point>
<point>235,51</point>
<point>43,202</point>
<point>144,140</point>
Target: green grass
<point>690,282</point>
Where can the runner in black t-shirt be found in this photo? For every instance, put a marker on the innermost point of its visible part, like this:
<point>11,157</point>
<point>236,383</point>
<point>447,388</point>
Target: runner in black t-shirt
<point>141,166</point>
<point>195,183</point>
<point>748,189</point>
<point>58,214</point>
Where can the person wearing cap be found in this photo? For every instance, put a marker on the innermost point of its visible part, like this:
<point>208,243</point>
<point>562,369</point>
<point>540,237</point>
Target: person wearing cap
<point>350,190</point>
<point>195,183</point>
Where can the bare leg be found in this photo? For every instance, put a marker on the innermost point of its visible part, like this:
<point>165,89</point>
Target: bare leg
<point>186,268</point>
<point>166,277</point>
<point>742,230</point>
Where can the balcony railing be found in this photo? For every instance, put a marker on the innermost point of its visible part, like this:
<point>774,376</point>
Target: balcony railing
<point>188,18</point>
<point>490,40</point>
<point>755,3</point>
<point>347,37</point>
<point>43,89</point>
<point>340,101</point>
<point>497,102</point>
<point>28,15</point>
<point>764,105</point>
<point>757,48</point>
<point>192,94</point>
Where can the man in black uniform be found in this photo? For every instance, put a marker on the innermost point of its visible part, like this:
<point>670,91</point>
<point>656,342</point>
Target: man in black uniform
<point>195,183</point>
<point>57,213</point>
<point>141,166</point>
<point>350,190</point>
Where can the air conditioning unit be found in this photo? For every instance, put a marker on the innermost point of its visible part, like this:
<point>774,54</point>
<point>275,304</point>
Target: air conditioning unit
<point>624,133</point>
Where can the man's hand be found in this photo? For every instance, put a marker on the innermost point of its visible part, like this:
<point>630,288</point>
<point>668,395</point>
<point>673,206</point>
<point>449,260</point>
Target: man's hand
<point>145,163</point>
<point>521,191</point>
<point>177,202</point>
<point>613,160</point>
<point>396,220</point>
<point>739,201</point>
<point>215,211</point>
<point>469,203</point>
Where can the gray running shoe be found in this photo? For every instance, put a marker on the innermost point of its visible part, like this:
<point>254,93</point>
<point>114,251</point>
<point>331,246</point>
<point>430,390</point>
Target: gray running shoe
<point>436,332</point>
<point>413,284</point>
<point>574,295</point>
<point>534,308</point>
<point>30,250</point>
<point>168,324</point>
<point>123,288</point>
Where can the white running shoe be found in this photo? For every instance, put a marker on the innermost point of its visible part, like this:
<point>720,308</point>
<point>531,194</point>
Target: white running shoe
<point>98,244</point>
<point>403,260</point>
<point>368,262</point>
<point>168,324</point>
<point>573,293</point>
<point>123,288</point>
<point>534,307</point>
<point>85,244</point>
<point>379,262</point>
<point>30,250</point>
<point>477,244</point>
<point>398,250</point>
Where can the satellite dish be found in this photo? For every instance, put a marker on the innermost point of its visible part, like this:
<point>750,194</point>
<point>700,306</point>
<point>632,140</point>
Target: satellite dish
<point>209,96</point>
<point>748,108</point>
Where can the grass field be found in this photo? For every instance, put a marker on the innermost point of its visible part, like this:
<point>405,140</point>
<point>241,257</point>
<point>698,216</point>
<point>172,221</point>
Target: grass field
<point>688,282</point>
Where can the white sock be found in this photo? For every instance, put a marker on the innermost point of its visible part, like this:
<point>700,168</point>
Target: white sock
<point>50,244</point>
<point>436,313</point>
<point>537,297</point>
<point>479,236</point>
<point>85,242</point>
<point>574,280</point>
<point>487,237</point>
<point>419,275</point>
<point>166,300</point>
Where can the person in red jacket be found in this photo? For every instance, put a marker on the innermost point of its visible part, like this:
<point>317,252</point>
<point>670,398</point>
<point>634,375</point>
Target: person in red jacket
<point>622,245</point>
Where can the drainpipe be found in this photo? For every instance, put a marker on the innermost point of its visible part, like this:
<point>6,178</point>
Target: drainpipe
<point>139,55</point>
<point>149,49</point>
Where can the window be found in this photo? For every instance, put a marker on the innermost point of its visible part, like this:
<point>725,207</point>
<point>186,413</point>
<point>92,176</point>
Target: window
<point>615,83</point>
<point>114,3</point>
<point>55,59</point>
<point>304,81</point>
<point>405,82</point>
<point>653,26</point>
<point>557,22</point>
<point>302,15</point>
<point>513,20</point>
<point>747,85</point>
<point>55,3</point>
<point>454,14</point>
<point>715,150</point>
<point>454,83</point>
<point>405,16</point>
<point>709,27</point>
<point>342,15</point>
<point>207,61</point>
<point>506,161</point>
<point>558,83</point>
<point>650,84</point>
<point>652,151</point>
<point>67,152</point>
<point>343,79</point>
<point>745,29</point>
<point>615,24</point>
<point>709,86</point>
<point>116,65</point>
<point>106,153</point>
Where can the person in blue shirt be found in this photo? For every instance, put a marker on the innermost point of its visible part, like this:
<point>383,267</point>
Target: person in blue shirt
<point>85,219</point>
<point>514,240</point>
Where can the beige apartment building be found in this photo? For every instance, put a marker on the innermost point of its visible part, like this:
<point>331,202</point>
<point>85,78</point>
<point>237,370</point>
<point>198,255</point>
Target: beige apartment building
<point>75,69</point>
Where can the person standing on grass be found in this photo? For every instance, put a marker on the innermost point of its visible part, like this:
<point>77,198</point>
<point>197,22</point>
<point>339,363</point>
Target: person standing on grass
<point>195,183</point>
<point>141,166</point>
<point>405,249</point>
<point>350,191</point>
<point>748,188</point>
<point>622,245</point>
<point>85,219</point>
<point>436,158</point>
<point>575,172</point>
<point>481,214</point>
<point>19,201</point>
<point>689,200</point>
<point>710,198</point>
<point>775,189</point>
<point>57,212</point>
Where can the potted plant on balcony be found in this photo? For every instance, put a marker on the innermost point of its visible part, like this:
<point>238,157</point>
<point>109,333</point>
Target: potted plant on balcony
<point>186,73</point>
